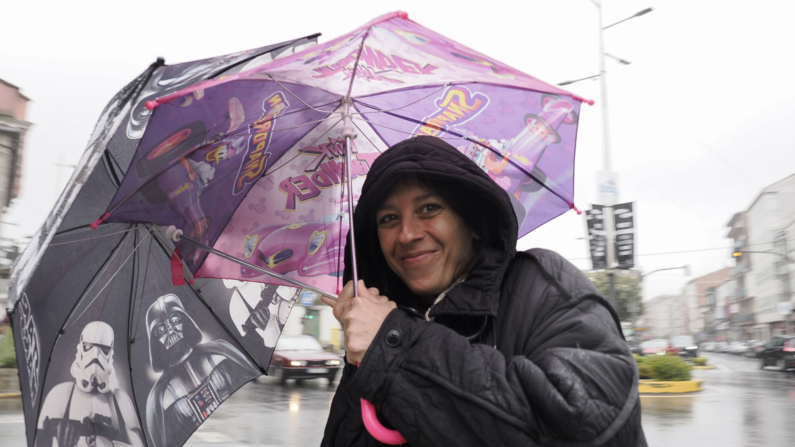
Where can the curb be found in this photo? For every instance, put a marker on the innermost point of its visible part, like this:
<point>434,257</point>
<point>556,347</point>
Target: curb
<point>656,387</point>
<point>10,395</point>
<point>703,367</point>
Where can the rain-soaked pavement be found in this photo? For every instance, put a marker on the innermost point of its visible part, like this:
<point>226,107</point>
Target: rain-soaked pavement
<point>740,405</point>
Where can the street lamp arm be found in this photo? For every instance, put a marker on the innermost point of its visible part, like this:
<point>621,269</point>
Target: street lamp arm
<point>783,256</point>
<point>638,14</point>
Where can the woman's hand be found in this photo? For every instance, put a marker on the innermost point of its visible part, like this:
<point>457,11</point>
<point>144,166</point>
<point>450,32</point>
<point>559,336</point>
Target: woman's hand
<point>360,316</point>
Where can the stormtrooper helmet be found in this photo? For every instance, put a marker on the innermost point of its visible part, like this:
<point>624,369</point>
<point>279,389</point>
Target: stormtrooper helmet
<point>93,363</point>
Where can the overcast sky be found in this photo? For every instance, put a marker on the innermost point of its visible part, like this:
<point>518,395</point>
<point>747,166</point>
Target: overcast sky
<point>700,121</point>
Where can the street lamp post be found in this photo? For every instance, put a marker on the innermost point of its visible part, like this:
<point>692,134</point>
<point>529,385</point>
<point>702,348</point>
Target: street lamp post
<point>606,156</point>
<point>607,159</point>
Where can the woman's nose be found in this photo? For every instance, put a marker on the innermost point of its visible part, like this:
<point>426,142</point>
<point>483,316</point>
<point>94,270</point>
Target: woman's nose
<point>410,231</point>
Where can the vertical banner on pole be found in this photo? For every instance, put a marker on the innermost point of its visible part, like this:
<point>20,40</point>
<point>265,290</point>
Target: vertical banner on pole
<point>595,223</point>
<point>624,220</point>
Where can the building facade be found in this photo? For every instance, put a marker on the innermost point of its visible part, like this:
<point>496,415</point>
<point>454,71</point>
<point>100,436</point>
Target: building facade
<point>768,248</point>
<point>13,128</point>
<point>741,310</point>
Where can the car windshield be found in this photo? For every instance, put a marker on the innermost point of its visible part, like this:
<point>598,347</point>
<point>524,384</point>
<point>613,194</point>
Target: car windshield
<point>683,341</point>
<point>298,344</point>
<point>659,343</point>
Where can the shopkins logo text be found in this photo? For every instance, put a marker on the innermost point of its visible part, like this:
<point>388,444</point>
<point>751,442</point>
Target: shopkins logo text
<point>253,164</point>
<point>323,171</point>
<point>373,64</point>
<point>456,106</point>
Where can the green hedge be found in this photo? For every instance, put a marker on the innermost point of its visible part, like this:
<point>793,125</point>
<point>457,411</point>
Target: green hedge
<point>8,358</point>
<point>700,361</point>
<point>663,367</point>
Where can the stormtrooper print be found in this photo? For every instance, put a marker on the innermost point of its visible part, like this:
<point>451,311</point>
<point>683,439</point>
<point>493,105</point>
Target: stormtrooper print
<point>92,410</point>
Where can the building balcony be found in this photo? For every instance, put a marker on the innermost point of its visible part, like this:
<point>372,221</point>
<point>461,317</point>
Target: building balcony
<point>742,318</point>
<point>740,293</point>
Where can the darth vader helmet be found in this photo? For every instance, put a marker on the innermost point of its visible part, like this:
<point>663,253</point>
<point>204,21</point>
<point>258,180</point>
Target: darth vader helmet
<point>93,363</point>
<point>172,332</point>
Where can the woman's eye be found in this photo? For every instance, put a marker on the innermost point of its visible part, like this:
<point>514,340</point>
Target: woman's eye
<point>387,219</point>
<point>430,208</point>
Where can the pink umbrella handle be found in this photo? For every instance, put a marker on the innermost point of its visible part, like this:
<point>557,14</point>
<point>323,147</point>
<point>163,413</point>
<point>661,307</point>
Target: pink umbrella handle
<point>373,425</point>
<point>379,432</point>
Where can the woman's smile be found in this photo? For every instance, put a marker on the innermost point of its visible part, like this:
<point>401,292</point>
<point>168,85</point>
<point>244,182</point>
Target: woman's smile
<point>423,240</point>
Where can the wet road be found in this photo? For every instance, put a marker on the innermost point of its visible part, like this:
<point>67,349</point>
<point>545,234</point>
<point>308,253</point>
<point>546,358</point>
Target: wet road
<point>740,405</point>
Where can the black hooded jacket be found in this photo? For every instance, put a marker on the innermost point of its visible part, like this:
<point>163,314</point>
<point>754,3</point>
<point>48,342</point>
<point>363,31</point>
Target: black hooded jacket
<point>524,352</point>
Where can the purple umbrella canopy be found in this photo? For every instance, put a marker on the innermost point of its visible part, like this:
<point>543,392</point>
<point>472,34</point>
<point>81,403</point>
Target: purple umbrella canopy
<point>252,164</point>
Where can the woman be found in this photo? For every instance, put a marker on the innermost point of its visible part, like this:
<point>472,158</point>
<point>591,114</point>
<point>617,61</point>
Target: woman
<point>462,341</point>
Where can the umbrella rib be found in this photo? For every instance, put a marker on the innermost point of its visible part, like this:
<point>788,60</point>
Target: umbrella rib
<point>356,65</point>
<point>254,267</point>
<point>105,286</point>
<point>472,140</point>
<point>368,138</point>
<point>236,133</point>
<point>166,248</point>
<point>137,314</point>
<point>91,238</point>
<point>296,96</point>
<point>44,376</point>
<point>133,327</point>
<point>377,110</point>
<point>299,154</point>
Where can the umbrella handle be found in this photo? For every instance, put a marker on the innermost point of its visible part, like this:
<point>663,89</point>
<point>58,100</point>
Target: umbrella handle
<point>376,429</point>
<point>379,432</point>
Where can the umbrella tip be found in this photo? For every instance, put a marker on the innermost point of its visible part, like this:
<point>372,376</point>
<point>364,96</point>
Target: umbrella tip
<point>150,105</point>
<point>403,14</point>
<point>581,99</point>
<point>571,205</point>
<point>99,221</point>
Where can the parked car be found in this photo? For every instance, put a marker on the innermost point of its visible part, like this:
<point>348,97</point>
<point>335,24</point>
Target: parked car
<point>779,352</point>
<point>658,346</point>
<point>685,345</point>
<point>302,357</point>
<point>721,346</point>
<point>755,347</point>
<point>736,347</point>
<point>708,346</point>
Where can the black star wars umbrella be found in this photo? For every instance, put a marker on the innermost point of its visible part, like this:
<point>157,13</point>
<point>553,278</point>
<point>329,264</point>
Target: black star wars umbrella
<point>114,346</point>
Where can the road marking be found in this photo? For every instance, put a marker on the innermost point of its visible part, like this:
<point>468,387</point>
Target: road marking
<point>695,394</point>
<point>12,420</point>
<point>213,437</point>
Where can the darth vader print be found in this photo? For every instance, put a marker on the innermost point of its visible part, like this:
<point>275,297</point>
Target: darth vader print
<point>195,375</point>
<point>91,409</point>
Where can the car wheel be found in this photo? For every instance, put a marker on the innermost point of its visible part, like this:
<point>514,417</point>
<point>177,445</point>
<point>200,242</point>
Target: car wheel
<point>762,364</point>
<point>331,378</point>
<point>280,376</point>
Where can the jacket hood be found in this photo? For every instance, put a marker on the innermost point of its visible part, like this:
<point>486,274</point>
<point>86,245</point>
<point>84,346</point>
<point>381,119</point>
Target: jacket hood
<point>433,160</point>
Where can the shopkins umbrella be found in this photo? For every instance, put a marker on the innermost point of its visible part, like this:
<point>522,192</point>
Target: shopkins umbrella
<point>108,349</point>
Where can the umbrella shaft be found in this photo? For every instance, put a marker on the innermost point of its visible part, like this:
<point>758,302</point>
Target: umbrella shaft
<point>255,268</point>
<point>350,214</point>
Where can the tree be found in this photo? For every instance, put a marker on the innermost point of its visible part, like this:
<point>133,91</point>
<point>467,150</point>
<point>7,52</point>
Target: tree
<point>629,300</point>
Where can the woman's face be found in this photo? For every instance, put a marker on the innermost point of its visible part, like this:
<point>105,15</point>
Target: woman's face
<point>423,240</point>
